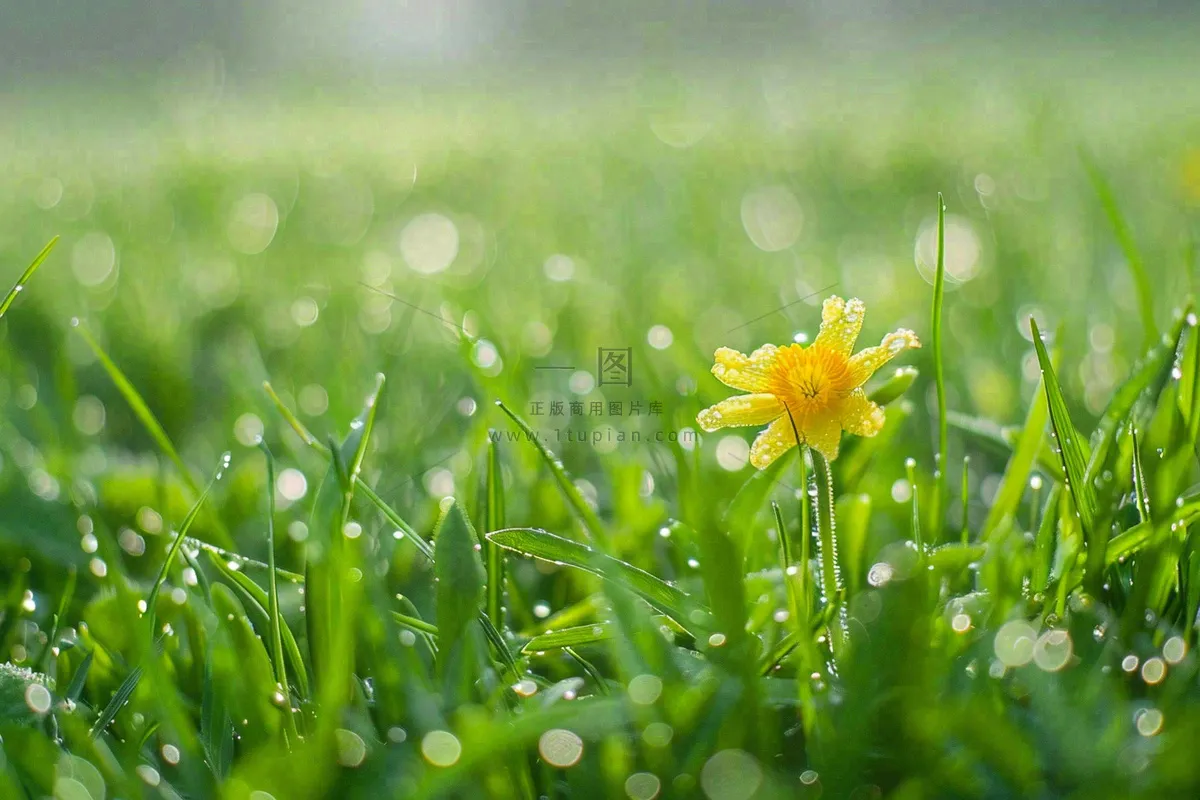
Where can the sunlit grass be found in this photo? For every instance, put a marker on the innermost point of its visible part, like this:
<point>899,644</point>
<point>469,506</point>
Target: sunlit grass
<point>421,586</point>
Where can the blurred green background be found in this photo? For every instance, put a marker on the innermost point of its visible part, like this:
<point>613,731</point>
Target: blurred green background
<point>311,195</point>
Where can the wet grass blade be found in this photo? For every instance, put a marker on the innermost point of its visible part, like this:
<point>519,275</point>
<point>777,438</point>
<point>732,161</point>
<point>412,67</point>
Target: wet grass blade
<point>1140,493</point>
<point>494,521</point>
<point>276,623</point>
<point>216,730</point>
<point>138,404</point>
<point>390,514</point>
<point>570,637</point>
<point>939,289</point>
<point>258,600</point>
<point>460,593</point>
<point>1148,379</point>
<point>749,500</point>
<point>193,512</point>
<point>591,522</point>
<point>1143,534</point>
<point>413,623</point>
<point>118,701</point>
<point>536,543</point>
<point>779,652</point>
<point>1124,235</point>
<point>1069,442</point>
<point>965,496</point>
<point>19,286</point>
<point>361,486</point>
<point>64,604</point>
<point>1019,467</point>
<point>1043,547</point>
<point>79,677</point>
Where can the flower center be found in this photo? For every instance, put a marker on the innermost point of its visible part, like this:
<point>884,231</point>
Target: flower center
<point>810,380</point>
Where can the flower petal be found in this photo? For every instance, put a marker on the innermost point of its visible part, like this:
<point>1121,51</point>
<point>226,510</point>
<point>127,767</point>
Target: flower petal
<point>841,321</point>
<point>860,416</point>
<point>773,442</point>
<point>750,373</point>
<point>822,433</point>
<point>742,409</point>
<point>864,363</point>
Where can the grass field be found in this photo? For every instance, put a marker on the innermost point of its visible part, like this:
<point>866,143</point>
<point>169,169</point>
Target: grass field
<point>320,476</point>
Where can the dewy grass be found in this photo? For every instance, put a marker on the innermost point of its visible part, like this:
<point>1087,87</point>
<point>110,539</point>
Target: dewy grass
<point>381,600</point>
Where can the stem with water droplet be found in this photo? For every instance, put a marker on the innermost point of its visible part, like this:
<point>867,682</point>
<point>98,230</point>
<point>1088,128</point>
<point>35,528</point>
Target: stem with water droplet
<point>831,579</point>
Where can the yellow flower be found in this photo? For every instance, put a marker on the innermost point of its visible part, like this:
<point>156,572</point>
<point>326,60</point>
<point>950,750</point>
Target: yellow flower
<point>818,388</point>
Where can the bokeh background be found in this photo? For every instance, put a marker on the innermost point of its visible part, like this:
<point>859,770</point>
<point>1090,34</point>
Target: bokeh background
<point>311,193</point>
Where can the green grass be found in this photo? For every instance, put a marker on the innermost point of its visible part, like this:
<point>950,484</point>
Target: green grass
<point>422,587</point>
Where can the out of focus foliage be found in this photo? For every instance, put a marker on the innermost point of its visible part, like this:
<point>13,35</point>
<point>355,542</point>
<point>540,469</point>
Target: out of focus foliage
<point>680,628</point>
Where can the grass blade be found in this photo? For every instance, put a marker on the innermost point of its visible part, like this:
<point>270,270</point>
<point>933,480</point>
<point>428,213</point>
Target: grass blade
<point>460,593</point>
<point>939,289</point>
<point>216,730</point>
<point>1070,445</point>
<point>135,401</point>
<point>1133,257</point>
<point>536,543</point>
<point>591,522</point>
<point>739,519</point>
<point>152,598</point>
<point>276,623</point>
<point>64,604</point>
<point>79,677</point>
<point>413,623</point>
<point>361,486</point>
<point>570,637</point>
<point>494,521</point>
<point>258,601</point>
<point>19,286</point>
<point>1020,465</point>
<point>118,701</point>
<point>1140,493</point>
<point>1147,380</point>
<point>410,533</point>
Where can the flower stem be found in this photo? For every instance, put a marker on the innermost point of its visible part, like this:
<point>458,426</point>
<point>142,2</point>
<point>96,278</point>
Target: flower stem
<point>831,578</point>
